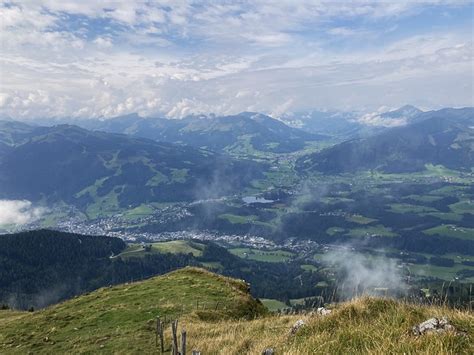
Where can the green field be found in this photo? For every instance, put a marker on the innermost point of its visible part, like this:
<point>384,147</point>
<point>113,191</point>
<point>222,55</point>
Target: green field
<point>407,208</point>
<point>309,267</point>
<point>137,212</point>
<point>357,218</point>
<point>449,216</point>
<point>272,256</point>
<point>335,230</point>
<point>173,247</point>
<point>440,272</point>
<point>332,200</point>
<point>179,247</point>
<point>368,231</point>
<point>440,170</point>
<point>273,305</point>
<point>464,206</point>
<point>451,230</point>
<point>236,219</point>
<point>423,198</point>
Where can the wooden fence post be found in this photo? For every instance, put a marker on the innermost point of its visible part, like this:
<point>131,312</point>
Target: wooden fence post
<point>183,342</point>
<point>162,338</point>
<point>174,328</point>
<point>157,330</point>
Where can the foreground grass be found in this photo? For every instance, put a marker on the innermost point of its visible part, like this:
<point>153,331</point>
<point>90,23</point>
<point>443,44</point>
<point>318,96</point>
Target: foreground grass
<point>375,326</point>
<point>121,320</point>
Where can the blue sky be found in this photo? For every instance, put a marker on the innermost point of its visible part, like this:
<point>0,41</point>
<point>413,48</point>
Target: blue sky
<point>173,58</point>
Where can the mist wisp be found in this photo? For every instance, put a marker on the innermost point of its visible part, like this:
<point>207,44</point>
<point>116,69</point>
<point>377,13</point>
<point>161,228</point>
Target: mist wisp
<point>360,275</point>
<point>19,212</point>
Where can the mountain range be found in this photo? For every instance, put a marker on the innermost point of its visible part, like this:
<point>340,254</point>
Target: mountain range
<point>72,164</point>
<point>182,160</point>
<point>243,133</point>
<point>444,137</point>
<point>346,125</point>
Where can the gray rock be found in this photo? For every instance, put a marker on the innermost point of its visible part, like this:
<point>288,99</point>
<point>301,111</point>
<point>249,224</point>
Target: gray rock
<point>299,323</point>
<point>268,351</point>
<point>323,311</point>
<point>433,325</point>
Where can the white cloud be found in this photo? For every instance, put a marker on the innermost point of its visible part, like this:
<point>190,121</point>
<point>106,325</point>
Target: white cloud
<point>180,57</point>
<point>103,42</point>
<point>342,31</point>
<point>375,119</point>
<point>19,212</point>
<point>24,17</point>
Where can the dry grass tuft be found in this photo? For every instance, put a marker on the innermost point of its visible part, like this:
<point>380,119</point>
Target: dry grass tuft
<point>362,326</point>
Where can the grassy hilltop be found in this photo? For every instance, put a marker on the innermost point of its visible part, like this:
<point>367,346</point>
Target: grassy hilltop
<point>221,317</point>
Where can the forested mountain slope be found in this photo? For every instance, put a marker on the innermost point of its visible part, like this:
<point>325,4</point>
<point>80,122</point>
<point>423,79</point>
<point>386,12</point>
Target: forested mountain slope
<point>81,167</point>
<point>444,137</point>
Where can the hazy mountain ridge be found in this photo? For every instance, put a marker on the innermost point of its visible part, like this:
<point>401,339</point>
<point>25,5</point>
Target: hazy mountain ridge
<point>407,111</point>
<point>332,123</point>
<point>260,132</point>
<point>395,118</point>
<point>76,165</point>
<point>438,137</point>
<point>347,125</point>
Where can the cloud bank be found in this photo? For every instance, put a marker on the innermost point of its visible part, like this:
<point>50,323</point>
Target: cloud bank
<point>173,58</point>
<point>19,212</point>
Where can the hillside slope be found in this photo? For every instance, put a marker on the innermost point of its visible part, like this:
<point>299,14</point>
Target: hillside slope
<point>444,137</point>
<point>81,167</point>
<point>221,318</point>
<point>119,317</point>
<point>43,267</point>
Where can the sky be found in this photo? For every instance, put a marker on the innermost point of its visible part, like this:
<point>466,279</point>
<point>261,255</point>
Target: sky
<point>100,59</point>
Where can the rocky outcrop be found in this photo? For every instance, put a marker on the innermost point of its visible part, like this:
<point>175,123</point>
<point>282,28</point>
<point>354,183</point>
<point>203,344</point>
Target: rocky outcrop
<point>433,325</point>
<point>298,324</point>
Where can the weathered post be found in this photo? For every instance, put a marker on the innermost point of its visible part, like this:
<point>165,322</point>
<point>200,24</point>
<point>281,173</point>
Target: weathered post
<point>157,330</point>
<point>183,342</point>
<point>162,338</point>
<point>174,329</point>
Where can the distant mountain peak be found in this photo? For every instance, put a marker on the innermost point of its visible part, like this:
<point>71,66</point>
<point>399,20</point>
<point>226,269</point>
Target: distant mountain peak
<point>409,107</point>
<point>399,117</point>
<point>407,111</point>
